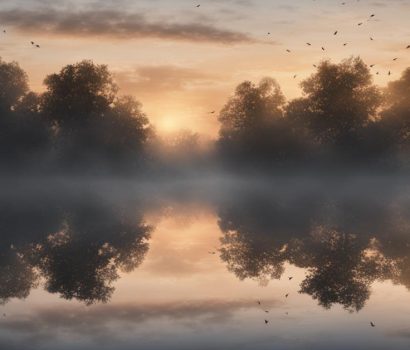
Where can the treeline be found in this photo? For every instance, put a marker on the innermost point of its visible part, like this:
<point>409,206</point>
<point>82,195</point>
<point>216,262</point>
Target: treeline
<point>342,119</point>
<point>81,122</point>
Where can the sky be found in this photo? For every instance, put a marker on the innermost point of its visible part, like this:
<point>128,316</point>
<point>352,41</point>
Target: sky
<point>182,61</point>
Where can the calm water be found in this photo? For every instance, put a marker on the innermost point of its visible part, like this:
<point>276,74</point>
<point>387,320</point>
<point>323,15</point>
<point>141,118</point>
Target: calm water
<point>123,264</point>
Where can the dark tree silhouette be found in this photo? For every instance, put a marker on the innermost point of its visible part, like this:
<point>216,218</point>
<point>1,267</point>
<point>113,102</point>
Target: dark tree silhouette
<point>253,126</point>
<point>24,134</point>
<point>340,100</point>
<point>92,122</point>
<point>13,85</point>
<point>395,119</point>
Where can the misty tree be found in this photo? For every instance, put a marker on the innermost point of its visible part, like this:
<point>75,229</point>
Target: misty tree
<point>395,119</point>
<point>91,120</point>
<point>339,101</point>
<point>253,124</point>
<point>13,85</point>
<point>24,134</point>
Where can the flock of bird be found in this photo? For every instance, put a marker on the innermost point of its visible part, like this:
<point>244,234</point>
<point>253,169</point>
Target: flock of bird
<point>336,32</point>
<point>33,44</point>
<point>267,311</point>
<point>290,278</point>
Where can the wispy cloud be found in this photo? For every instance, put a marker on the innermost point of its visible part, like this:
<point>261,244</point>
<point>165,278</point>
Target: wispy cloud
<point>116,24</point>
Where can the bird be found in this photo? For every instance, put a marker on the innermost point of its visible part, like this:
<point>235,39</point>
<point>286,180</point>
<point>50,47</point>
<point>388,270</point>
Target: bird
<point>212,112</point>
<point>309,44</point>
<point>266,321</point>
<point>258,302</point>
<point>371,16</point>
<point>372,65</point>
<point>389,73</point>
<point>323,49</point>
<point>371,39</point>
<point>372,324</point>
<point>287,50</point>
<point>335,33</point>
<point>199,5</point>
<point>4,31</point>
<point>286,295</point>
<point>38,46</point>
<point>294,77</point>
<point>359,24</point>
<point>395,59</point>
<point>290,278</point>
<point>408,47</point>
<point>212,253</point>
<point>32,42</point>
<point>266,311</point>
<point>345,44</point>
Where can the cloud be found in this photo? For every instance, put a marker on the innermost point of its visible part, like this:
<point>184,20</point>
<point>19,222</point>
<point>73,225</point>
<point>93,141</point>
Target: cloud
<point>99,320</point>
<point>116,24</point>
<point>162,78</point>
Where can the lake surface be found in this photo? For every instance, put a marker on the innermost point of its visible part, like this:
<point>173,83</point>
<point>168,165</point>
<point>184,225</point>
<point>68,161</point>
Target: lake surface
<point>133,264</point>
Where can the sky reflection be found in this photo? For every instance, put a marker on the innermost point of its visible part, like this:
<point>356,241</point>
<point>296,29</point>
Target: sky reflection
<point>101,269</point>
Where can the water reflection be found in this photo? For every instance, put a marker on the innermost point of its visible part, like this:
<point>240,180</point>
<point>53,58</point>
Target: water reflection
<point>344,238</point>
<point>75,245</point>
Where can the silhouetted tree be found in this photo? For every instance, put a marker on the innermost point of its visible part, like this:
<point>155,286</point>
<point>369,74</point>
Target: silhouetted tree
<point>92,122</point>
<point>253,126</point>
<point>24,135</point>
<point>13,85</point>
<point>340,100</point>
<point>395,118</point>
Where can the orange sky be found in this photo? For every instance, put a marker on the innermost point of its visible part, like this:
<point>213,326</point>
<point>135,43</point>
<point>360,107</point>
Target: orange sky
<point>182,62</point>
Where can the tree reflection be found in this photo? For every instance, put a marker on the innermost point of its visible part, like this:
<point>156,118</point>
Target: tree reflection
<point>345,242</point>
<point>76,247</point>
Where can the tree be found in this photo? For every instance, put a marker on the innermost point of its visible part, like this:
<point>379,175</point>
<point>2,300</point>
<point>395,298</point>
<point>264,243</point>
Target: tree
<point>79,93</point>
<point>24,134</point>
<point>395,119</point>
<point>92,122</point>
<point>13,85</point>
<point>253,124</point>
<point>339,101</point>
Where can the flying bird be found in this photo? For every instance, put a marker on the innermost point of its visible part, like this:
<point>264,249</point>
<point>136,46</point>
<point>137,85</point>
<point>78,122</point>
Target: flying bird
<point>266,321</point>
<point>372,324</point>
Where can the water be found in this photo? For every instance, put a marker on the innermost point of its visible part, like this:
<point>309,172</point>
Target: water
<point>131,264</point>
